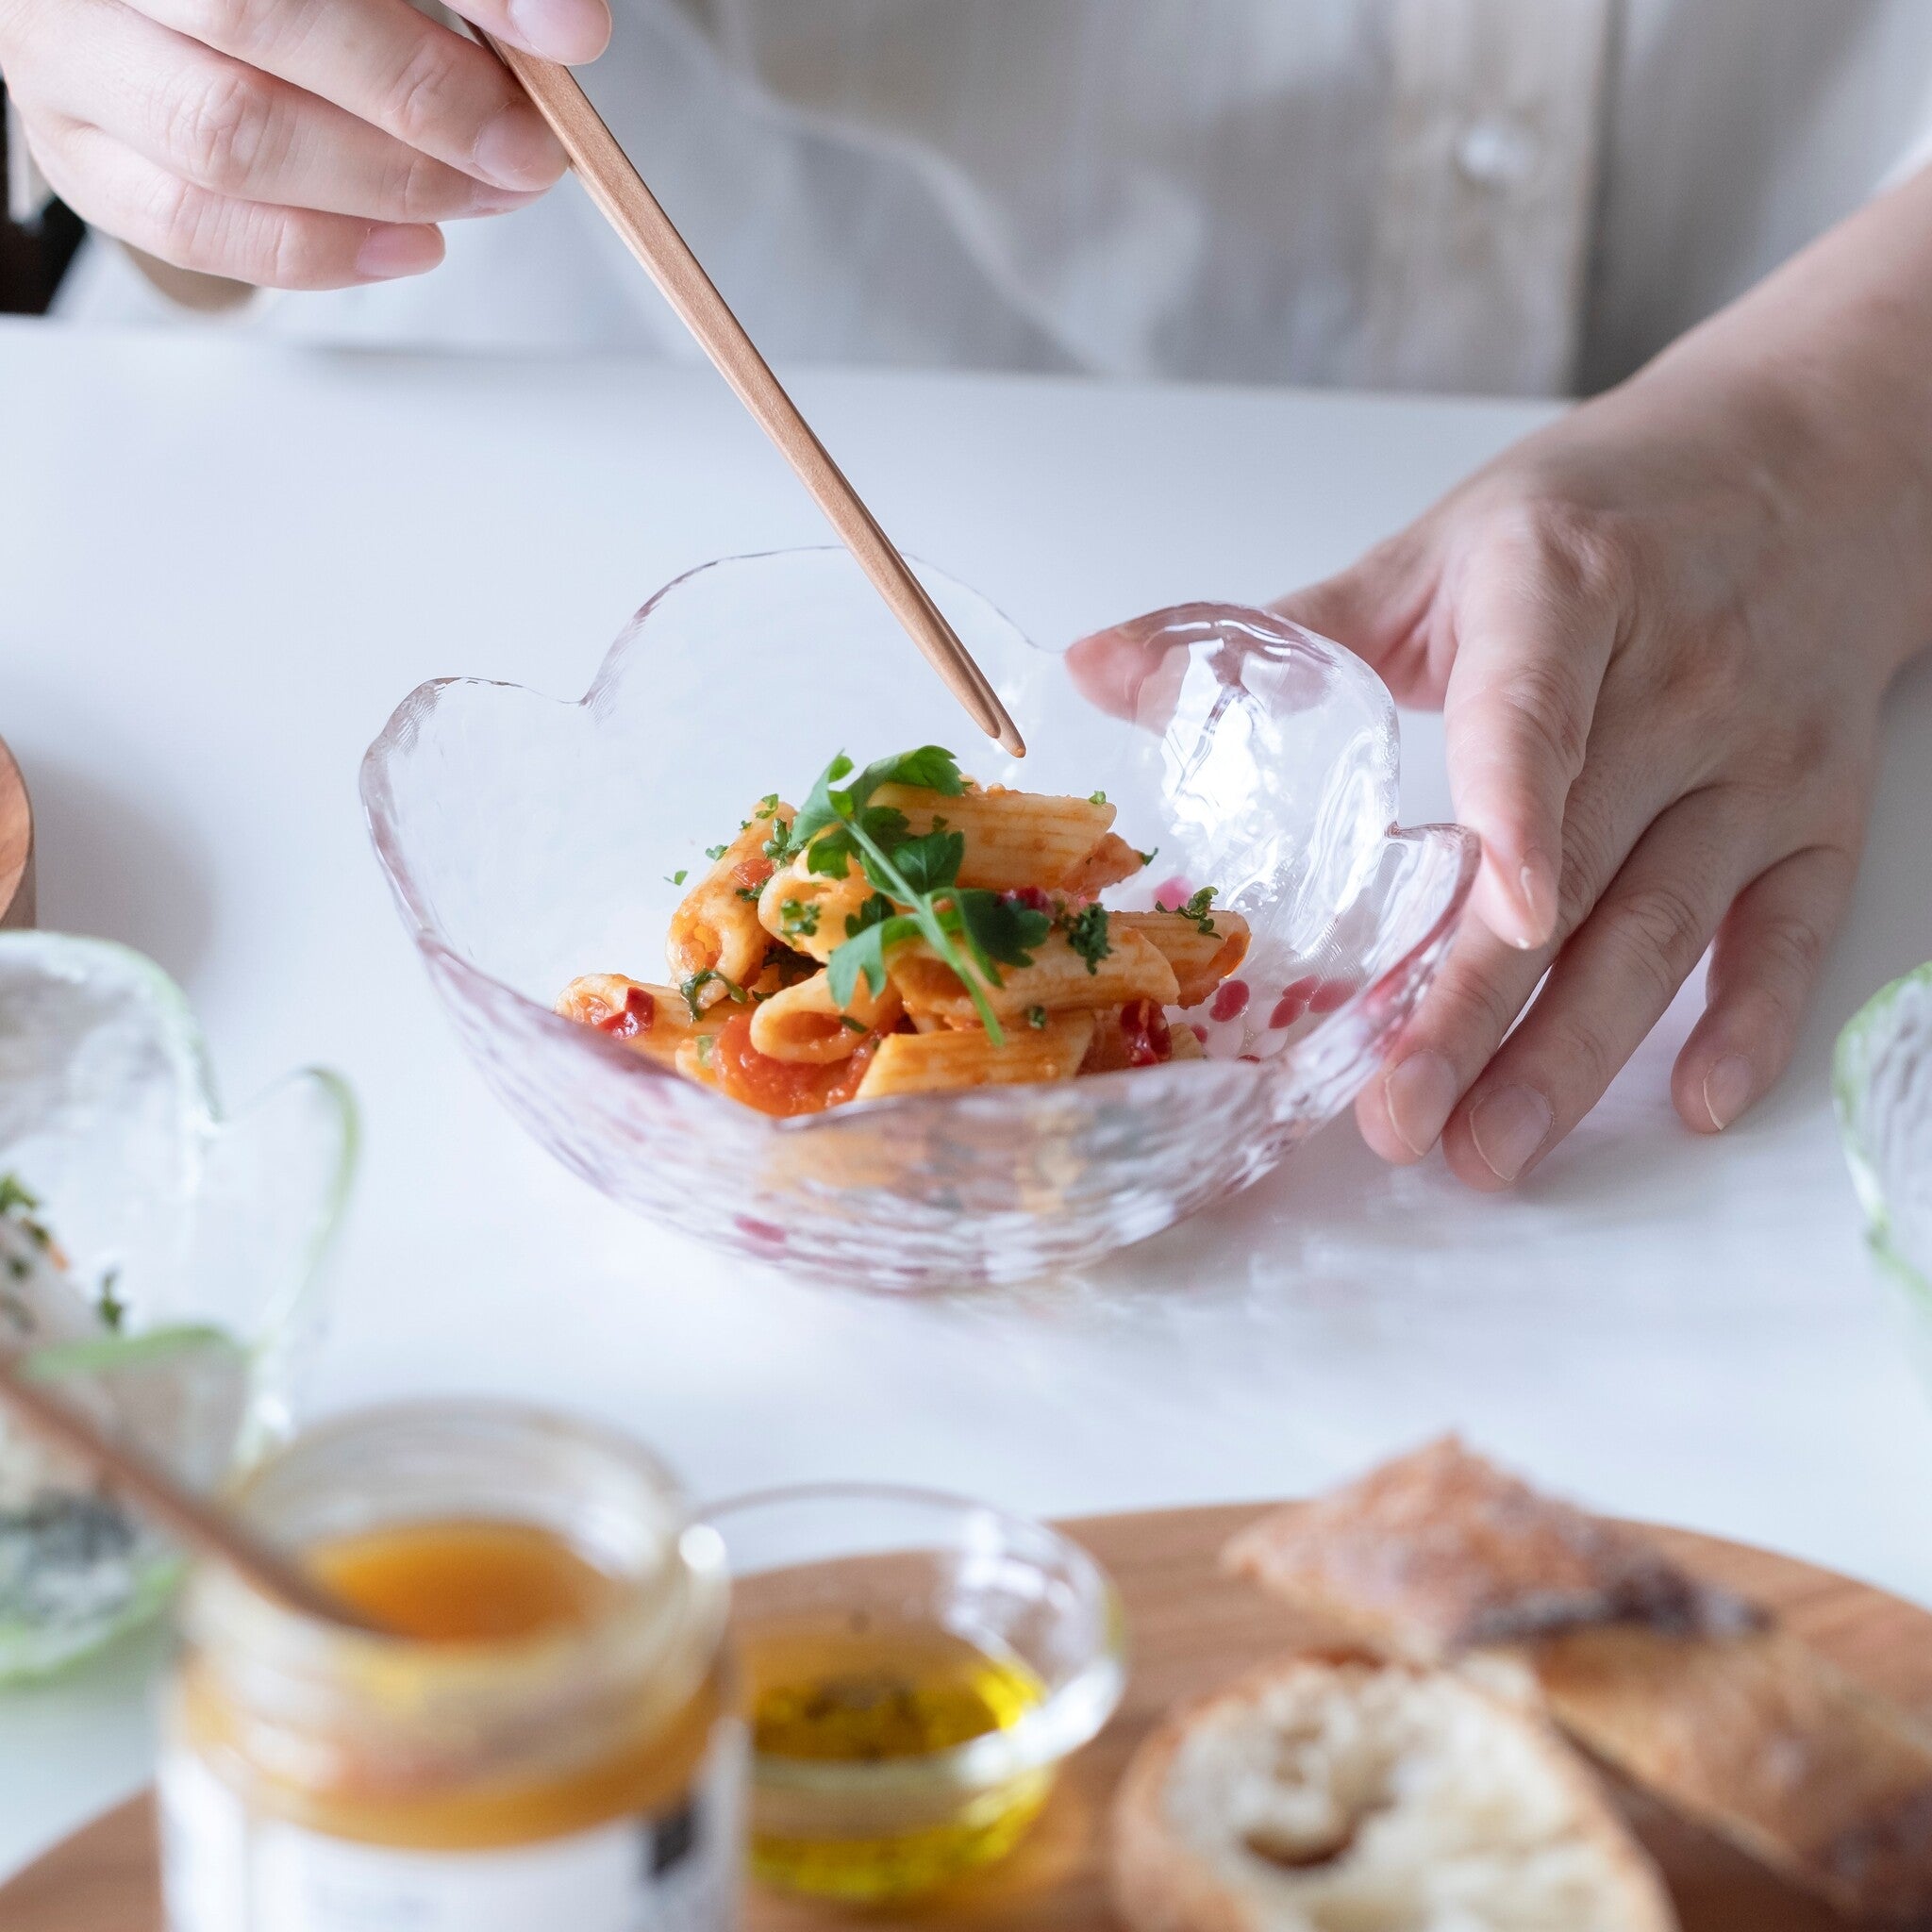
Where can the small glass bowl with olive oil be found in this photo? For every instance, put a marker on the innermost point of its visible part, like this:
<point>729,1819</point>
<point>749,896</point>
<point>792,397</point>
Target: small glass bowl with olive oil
<point>914,1667</point>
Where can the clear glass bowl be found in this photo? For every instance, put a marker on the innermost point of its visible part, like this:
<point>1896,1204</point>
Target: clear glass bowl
<point>1882,1083</point>
<point>838,1592</point>
<point>211,1231</point>
<point>529,840</point>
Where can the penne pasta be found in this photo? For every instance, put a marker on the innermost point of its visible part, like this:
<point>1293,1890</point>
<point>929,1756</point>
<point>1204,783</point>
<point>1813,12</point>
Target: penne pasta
<point>938,1062</point>
<point>802,1024</point>
<point>1013,839</point>
<point>975,913</point>
<point>1060,980</point>
<point>715,930</point>
<point>1110,862</point>
<point>807,911</point>
<point>655,1021</point>
<point>1200,960</point>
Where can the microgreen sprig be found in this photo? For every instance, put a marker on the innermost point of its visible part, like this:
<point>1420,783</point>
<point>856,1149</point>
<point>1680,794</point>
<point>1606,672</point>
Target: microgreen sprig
<point>839,824</point>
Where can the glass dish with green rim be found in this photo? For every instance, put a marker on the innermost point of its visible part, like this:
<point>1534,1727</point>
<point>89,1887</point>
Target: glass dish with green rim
<point>158,1261</point>
<point>1882,1084</point>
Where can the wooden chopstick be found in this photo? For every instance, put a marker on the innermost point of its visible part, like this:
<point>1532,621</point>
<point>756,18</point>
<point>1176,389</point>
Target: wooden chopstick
<point>633,211</point>
<point>209,1531</point>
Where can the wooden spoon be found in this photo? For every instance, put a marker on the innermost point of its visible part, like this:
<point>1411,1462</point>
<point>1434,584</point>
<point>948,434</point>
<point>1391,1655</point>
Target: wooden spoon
<point>646,230</point>
<point>210,1532</point>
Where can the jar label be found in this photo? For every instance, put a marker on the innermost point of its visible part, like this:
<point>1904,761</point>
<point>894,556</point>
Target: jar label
<point>228,1870</point>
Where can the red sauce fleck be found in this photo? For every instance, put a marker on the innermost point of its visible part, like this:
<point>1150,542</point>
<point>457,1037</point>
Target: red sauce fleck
<point>1200,1033</point>
<point>1144,1026</point>
<point>1328,994</point>
<point>748,875</point>
<point>637,1015</point>
<point>1035,899</point>
<point>1231,1001</point>
<point>783,1087</point>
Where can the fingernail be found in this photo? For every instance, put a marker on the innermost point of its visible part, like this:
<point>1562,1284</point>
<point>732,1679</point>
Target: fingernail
<point>567,30</point>
<point>501,201</point>
<point>1727,1088</point>
<point>394,249</point>
<point>516,150</point>
<point>1538,893</point>
<point>1419,1092</point>
<point>1508,1127</point>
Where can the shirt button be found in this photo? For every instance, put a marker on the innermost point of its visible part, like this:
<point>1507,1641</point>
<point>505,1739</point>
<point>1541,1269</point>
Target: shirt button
<point>1497,151</point>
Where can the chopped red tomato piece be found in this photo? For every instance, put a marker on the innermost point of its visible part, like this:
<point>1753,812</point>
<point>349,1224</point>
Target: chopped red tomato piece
<point>1144,1024</point>
<point>638,1014</point>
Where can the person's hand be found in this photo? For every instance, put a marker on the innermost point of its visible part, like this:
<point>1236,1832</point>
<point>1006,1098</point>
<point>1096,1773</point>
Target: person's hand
<point>291,143</point>
<point>1660,631</point>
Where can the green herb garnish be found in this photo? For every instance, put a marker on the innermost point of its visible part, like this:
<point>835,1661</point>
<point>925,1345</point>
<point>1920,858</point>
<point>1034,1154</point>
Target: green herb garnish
<point>1096,798</point>
<point>690,989</point>
<point>714,853</point>
<point>1035,1017</point>
<point>113,1309</point>
<point>1087,935</point>
<point>798,918</point>
<point>1198,909</point>
<point>838,825</point>
<point>678,877</point>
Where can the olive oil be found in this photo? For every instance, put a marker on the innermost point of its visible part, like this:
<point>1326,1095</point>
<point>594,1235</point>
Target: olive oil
<point>886,1696</point>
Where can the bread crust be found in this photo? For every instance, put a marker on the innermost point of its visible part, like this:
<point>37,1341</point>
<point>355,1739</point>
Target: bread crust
<point>1159,1882</point>
<point>1767,1743</point>
<point>1440,1551</point>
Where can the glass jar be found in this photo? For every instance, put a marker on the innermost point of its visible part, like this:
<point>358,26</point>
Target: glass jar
<point>553,1748</point>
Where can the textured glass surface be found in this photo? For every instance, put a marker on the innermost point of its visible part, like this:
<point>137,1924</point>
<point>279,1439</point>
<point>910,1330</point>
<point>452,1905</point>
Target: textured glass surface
<point>529,841</point>
<point>1883,1082</point>
<point>108,1118</point>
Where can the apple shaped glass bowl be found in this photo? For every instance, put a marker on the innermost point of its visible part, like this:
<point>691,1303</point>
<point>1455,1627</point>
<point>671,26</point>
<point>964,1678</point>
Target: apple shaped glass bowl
<point>203,1236</point>
<point>1882,1083</point>
<point>529,841</point>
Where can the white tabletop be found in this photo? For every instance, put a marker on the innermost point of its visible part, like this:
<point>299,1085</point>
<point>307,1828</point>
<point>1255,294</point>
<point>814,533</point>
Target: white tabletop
<point>223,565</point>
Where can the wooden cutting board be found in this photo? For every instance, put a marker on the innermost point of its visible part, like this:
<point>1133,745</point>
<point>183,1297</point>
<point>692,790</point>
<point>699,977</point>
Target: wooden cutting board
<point>1190,1627</point>
<point>16,846</point>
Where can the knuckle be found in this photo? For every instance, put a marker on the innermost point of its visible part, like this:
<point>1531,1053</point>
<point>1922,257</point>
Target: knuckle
<point>423,95</point>
<point>1582,552</point>
<point>172,220</point>
<point>1654,933</point>
<point>217,132</point>
<point>1546,718</point>
<point>419,189</point>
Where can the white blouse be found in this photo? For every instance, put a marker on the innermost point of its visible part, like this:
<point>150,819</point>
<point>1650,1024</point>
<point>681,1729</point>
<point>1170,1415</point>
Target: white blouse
<point>1517,196</point>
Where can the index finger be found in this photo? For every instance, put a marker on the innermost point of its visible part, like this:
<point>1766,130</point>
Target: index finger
<point>1532,641</point>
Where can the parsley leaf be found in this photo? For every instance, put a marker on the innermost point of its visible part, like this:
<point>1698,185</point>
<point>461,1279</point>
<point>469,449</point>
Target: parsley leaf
<point>13,1195</point>
<point>931,863</point>
<point>714,853</point>
<point>113,1310</point>
<point>1087,935</point>
<point>798,918</point>
<point>1096,798</point>
<point>1000,932</point>
<point>678,877</point>
<point>1197,908</point>
<point>690,989</point>
<point>865,953</point>
<point>1035,1017</point>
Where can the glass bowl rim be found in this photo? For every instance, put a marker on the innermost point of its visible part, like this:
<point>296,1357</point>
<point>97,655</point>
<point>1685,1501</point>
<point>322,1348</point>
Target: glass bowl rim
<point>405,720</point>
<point>1070,1715</point>
<point>187,1048</point>
<point>1847,1094</point>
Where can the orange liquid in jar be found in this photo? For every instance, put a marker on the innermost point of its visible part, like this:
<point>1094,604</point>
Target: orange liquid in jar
<point>451,1586</point>
<point>466,1582</point>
